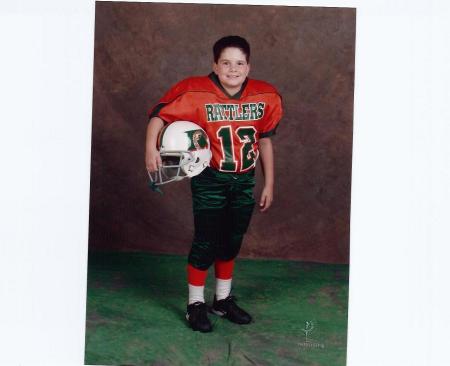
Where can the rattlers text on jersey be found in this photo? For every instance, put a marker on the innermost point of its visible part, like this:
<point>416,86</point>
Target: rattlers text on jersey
<point>234,124</point>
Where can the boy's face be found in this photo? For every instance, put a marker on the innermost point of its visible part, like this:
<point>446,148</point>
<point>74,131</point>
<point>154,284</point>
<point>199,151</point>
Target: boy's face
<point>232,69</point>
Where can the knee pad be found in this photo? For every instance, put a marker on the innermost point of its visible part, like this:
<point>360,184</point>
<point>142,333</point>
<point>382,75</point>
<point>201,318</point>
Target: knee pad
<point>202,254</point>
<point>231,248</point>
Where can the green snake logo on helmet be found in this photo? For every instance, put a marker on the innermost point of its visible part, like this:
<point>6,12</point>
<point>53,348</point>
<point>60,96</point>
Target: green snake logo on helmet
<point>198,140</point>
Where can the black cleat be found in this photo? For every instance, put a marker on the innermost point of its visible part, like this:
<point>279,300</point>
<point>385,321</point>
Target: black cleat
<point>228,309</point>
<point>197,317</point>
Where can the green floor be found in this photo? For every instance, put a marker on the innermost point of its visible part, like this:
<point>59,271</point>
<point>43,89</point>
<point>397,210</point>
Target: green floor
<point>136,307</point>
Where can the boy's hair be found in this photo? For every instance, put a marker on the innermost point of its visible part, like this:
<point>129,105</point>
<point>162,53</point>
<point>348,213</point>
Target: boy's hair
<point>231,41</point>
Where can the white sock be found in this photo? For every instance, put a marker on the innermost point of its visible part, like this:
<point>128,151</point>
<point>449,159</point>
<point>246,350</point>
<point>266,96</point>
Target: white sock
<point>223,288</point>
<point>196,294</point>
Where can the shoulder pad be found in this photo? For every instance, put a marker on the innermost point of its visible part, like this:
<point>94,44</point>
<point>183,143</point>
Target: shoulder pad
<point>192,84</point>
<point>260,87</point>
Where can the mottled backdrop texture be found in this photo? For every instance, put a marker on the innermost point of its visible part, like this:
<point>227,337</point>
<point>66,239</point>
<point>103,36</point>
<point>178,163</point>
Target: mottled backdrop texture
<point>308,53</point>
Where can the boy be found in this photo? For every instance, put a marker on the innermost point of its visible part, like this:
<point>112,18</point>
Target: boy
<point>239,115</point>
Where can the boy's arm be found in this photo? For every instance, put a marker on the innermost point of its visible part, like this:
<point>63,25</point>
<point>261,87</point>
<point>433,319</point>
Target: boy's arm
<point>152,157</point>
<point>266,151</point>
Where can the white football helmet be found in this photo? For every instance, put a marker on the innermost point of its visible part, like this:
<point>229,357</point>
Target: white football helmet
<point>185,152</point>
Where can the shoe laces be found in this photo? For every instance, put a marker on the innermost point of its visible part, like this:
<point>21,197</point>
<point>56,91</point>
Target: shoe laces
<point>198,309</point>
<point>230,298</point>
<point>229,302</point>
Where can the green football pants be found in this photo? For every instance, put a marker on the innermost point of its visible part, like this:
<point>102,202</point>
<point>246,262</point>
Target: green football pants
<point>223,206</point>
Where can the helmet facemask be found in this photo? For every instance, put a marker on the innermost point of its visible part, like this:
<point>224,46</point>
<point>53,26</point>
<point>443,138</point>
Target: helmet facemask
<point>172,168</point>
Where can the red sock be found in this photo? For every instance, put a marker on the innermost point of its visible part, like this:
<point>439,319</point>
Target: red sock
<point>196,277</point>
<point>224,269</point>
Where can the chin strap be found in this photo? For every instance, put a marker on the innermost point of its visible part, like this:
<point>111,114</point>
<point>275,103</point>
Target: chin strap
<point>152,184</point>
<point>154,187</point>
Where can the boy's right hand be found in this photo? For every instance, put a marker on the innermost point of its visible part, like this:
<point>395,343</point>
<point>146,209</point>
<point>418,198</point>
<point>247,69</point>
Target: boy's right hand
<point>152,160</point>
<point>152,157</point>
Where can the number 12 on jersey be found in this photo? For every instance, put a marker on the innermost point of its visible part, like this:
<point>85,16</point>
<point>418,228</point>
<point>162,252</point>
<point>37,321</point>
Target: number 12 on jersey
<point>249,155</point>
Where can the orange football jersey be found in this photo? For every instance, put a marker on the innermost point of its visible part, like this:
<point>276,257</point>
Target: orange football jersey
<point>234,124</point>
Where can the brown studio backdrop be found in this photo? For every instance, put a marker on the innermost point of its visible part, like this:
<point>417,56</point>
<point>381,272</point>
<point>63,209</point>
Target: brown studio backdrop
<point>141,49</point>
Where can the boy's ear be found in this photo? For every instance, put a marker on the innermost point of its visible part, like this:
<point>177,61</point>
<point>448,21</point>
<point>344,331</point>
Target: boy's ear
<point>214,67</point>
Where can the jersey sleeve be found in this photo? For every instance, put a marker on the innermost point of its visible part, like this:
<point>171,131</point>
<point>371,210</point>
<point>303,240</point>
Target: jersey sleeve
<point>174,105</point>
<point>272,119</point>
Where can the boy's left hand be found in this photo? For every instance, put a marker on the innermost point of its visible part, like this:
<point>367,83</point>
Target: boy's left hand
<point>266,199</point>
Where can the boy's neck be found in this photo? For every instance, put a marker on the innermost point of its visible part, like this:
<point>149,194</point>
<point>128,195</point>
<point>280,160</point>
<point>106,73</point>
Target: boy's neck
<point>234,93</point>
<point>231,92</point>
